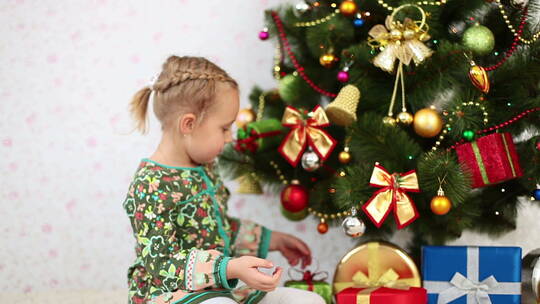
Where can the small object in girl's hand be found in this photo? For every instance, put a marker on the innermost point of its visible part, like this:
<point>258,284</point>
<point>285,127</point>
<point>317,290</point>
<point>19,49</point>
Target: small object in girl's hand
<point>268,271</point>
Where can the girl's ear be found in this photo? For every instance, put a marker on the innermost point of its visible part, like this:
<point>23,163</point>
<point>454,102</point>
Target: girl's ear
<point>186,123</point>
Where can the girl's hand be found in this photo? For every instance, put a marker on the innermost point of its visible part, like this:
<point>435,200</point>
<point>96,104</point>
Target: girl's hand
<point>245,269</point>
<point>292,248</point>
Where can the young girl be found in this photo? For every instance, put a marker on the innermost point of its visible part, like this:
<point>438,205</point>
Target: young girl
<point>188,250</point>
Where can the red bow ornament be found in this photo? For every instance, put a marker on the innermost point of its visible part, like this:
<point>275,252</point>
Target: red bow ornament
<point>306,129</point>
<point>392,196</point>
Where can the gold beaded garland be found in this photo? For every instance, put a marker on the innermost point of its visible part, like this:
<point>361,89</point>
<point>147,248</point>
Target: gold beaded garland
<point>456,112</point>
<point>318,21</point>
<point>419,3</point>
<point>511,27</point>
<point>281,176</point>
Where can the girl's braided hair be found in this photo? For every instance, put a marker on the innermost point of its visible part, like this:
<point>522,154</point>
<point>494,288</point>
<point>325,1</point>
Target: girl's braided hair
<point>185,84</point>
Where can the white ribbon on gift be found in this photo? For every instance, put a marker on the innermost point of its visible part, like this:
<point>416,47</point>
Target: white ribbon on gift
<point>477,292</point>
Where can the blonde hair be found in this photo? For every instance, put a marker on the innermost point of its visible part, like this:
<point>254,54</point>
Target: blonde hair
<point>184,84</point>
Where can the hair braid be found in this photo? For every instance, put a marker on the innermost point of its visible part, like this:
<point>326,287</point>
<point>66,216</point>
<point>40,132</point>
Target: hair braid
<point>185,83</point>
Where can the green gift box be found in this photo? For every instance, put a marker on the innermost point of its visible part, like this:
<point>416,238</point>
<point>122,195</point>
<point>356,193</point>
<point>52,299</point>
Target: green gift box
<point>309,283</point>
<point>259,136</point>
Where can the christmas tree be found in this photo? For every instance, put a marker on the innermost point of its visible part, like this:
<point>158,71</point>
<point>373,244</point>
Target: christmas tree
<point>426,112</point>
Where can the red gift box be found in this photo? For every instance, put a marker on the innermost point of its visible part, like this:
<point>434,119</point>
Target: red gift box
<point>491,159</point>
<point>382,295</point>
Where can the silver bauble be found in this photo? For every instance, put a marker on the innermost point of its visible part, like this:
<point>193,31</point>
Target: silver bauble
<point>310,161</point>
<point>353,226</point>
<point>530,275</point>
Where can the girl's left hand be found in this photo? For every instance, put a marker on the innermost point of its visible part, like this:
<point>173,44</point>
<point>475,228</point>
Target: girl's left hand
<point>292,248</point>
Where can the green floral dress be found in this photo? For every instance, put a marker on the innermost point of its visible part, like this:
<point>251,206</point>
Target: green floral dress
<point>184,239</point>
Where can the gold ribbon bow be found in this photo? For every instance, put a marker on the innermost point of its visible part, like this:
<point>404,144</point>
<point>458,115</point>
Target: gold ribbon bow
<point>401,41</point>
<point>305,129</point>
<point>392,196</point>
<point>375,278</point>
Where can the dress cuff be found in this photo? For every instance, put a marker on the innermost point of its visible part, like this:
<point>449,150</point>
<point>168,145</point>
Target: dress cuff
<point>266,236</point>
<point>222,273</point>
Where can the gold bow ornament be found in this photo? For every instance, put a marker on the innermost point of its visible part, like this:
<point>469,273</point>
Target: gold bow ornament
<point>306,129</point>
<point>392,197</point>
<point>403,42</point>
<point>376,278</point>
<point>400,41</point>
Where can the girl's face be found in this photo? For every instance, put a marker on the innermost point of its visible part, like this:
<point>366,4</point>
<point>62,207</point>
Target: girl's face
<point>210,136</point>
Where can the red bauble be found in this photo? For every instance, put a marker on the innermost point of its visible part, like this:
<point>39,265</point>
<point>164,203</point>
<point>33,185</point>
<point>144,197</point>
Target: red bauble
<point>294,197</point>
<point>322,227</point>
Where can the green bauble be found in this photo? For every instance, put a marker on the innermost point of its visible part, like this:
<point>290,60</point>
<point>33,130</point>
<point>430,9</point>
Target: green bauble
<point>294,216</point>
<point>293,88</point>
<point>479,39</point>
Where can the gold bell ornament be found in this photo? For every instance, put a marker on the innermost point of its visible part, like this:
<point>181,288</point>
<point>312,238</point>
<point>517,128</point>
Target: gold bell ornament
<point>248,184</point>
<point>342,111</point>
<point>403,42</point>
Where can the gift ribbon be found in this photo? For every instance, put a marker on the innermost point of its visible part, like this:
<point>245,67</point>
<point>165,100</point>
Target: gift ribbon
<point>309,277</point>
<point>508,155</point>
<point>480,162</point>
<point>247,140</point>
<point>392,197</point>
<point>477,292</point>
<point>306,131</point>
<point>376,276</point>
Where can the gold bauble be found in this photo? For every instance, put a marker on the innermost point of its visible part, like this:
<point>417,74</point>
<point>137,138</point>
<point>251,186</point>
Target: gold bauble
<point>405,118</point>
<point>327,60</point>
<point>408,34</point>
<point>396,34</point>
<point>344,157</point>
<point>348,8</point>
<point>427,123</point>
<point>244,117</point>
<point>389,121</point>
<point>440,205</point>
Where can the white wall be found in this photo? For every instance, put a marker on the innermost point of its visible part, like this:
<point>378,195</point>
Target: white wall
<point>67,155</point>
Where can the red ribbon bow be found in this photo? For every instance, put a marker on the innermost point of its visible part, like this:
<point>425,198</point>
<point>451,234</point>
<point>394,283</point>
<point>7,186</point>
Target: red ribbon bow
<point>392,197</point>
<point>309,277</point>
<point>306,131</point>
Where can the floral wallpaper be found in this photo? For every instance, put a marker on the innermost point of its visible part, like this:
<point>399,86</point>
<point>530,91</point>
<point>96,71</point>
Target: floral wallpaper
<point>67,146</point>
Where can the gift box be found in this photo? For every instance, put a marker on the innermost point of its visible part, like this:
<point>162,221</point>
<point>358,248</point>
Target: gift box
<point>321,288</point>
<point>491,159</point>
<point>311,281</point>
<point>467,275</point>
<point>382,295</point>
<point>259,136</point>
<point>373,265</point>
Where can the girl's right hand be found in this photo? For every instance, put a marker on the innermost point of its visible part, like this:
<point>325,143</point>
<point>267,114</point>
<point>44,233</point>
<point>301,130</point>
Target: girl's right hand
<point>245,269</point>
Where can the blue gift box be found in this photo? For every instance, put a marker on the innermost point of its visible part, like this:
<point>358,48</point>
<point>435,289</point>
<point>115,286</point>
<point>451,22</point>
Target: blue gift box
<point>467,275</point>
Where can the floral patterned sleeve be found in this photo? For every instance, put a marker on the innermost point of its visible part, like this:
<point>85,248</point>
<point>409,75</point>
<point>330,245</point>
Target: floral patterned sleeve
<point>172,261</point>
<point>249,238</point>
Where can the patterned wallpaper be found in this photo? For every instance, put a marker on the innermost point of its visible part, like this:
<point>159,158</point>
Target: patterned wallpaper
<point>67,148</point>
